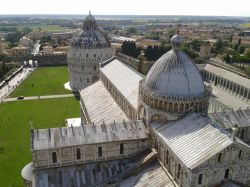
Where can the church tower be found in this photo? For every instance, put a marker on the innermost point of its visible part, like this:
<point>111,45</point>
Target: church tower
<point>88,48</point>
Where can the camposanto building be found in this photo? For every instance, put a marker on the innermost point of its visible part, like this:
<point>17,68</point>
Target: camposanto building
<point>143,131</point>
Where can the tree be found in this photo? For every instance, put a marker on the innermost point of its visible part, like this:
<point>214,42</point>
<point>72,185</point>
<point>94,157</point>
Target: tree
<point>129,48</point>
<point>153,53</point>
<point>26,30</point>
<point>196,44</point>
<point>241,49</point>
<point>14,37</point>
<point>227,58</point>
<point>235,47</point>
<point>231,38</point>
<point>218,45</point>
<point>247,52</point>
<point>150,53</point>
<point>191,53</point>
<point>131,30</point>
<point>239,41</point>
<point>171,33</point>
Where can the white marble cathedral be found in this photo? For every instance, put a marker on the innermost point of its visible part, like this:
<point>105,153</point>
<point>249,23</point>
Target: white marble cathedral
<point>142,131</point>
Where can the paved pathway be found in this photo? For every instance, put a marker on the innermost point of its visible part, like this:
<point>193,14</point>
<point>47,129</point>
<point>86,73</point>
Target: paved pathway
<point>14,82</point>
<point>39,97</point>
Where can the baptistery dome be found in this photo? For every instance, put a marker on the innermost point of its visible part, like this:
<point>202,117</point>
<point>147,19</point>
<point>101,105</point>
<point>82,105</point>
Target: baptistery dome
<point>174,84</point>
<point>89,47</point>
<point>90,35</point>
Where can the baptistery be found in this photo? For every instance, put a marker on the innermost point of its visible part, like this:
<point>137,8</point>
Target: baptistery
<point>88,48</point>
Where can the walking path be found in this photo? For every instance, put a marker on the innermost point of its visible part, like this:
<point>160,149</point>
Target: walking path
<point>14,82</point>
<point>39,97</point>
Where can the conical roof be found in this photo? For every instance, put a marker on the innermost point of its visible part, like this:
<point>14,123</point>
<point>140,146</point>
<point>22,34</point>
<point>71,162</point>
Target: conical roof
<point>90,36</point>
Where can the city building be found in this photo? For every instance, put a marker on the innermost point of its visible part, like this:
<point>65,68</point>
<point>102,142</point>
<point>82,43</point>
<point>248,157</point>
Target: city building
<point>25,41</point>
<point>143,42</point>
<point>88,48</point>
<point>47,50</point>
<point>20,50</point>
<point>205,51</point>
<point>144,131</point>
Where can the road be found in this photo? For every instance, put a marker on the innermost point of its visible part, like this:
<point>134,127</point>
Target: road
<point>14,82</point>
<point>39,97</point>
<point>36,48</point>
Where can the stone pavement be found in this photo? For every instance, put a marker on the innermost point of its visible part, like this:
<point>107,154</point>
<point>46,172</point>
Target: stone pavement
<point>14,82</point>
<point>39,97</point>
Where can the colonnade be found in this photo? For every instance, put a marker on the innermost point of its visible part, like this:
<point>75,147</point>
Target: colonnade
<point>232,87</point>
<point>174,104</point>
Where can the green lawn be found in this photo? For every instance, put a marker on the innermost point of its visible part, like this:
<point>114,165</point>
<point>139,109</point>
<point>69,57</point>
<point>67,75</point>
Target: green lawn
<point>44,81</point>
<point>15,131</point>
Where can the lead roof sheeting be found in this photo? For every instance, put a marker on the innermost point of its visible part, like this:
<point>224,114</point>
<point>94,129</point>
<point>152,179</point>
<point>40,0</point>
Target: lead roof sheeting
<point>88,134</point>
<point>124,79</point>
<point>230,119</point>
<point>151,176</point>
<point>174,74</point>
<point>100,105</point>
<point>228,75</point>
<point>83,175</point>
<point>193,139</point>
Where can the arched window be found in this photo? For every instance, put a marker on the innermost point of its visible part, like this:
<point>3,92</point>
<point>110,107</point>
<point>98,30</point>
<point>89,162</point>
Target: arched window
<point>94,55</point>
<point>219,157</point>
<point>54,157</point>
<point>87,80</point>
<point>100,151</point>
<point>242,134</point>
<point>121,148</point>
<point>78,154</point>
<point>179,171</point>
<point>200,179</point>
<point>94,68</point>
<point>87,55</point>
<point>240,154</point>
<point>167,157</point>
<point>226,174</point>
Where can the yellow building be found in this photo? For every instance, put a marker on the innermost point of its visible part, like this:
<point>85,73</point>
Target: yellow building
<point>48,50</point>
<point>20,51</point>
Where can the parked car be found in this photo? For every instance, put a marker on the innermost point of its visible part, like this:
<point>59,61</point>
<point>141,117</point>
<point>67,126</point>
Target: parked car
<point>20,97</point>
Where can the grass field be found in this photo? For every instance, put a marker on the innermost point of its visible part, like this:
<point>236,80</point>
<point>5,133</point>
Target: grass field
<point>245,25</point>
<point>44,81</point>
<point>15,131</point>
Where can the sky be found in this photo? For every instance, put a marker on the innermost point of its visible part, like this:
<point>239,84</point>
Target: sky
<point>128,7</point>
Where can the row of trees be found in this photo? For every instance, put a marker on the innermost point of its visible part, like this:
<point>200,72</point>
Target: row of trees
<point>155,52</point>
<point>152,53</point>
<point>4,69</point>
<point>15,36</point>
<point>129,48</point>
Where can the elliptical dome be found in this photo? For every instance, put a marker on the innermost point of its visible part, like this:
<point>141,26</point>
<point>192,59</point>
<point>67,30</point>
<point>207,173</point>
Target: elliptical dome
<point>174,74</point>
